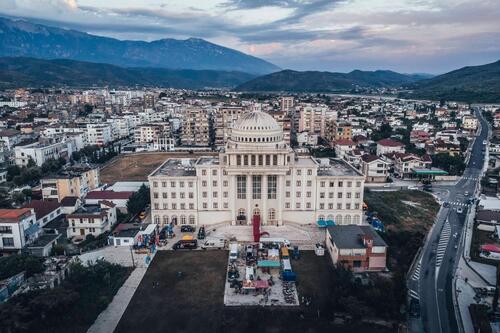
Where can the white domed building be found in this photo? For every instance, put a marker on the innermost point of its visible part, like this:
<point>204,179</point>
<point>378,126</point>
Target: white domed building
<point>257,176</point>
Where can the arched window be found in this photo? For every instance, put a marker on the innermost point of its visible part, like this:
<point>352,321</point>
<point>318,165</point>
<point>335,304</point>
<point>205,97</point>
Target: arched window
<point>183,219</point>
<point>191,219</point>
<point>165,219</point>
<point>347,219</point>
<point>338,219</point>
<point>157,219</point>
<point>356,219</point>
<point>256,211</point>
<point>330,217</point>
<point>174,219</point>
<point>321,217</point>
<point>271,214</point>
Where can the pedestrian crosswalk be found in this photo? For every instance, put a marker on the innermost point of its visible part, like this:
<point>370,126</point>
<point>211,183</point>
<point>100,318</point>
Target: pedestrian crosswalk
<point>414,294</point>
<point>416,273</point>
<point>471,178</point>
<point>443,243</point>
<point>458,203</point>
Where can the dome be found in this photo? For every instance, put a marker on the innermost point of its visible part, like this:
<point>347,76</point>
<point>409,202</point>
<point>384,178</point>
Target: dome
<point>256,127</point>
<point>256,121</point>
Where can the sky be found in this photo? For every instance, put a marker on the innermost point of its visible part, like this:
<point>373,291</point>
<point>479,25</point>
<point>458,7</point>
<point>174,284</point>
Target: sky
<point>409,36</point>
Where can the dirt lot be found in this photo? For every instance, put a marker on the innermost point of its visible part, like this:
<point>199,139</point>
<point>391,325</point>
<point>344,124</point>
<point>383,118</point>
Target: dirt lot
<point>403,210</point>
<point>137,167</point>
<point>195,302</point>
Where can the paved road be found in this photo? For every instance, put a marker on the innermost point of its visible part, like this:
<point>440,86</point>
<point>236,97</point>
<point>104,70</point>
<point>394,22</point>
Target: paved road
<point>432,284</point>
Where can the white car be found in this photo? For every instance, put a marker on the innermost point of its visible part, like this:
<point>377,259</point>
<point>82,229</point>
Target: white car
<point>218,244</point>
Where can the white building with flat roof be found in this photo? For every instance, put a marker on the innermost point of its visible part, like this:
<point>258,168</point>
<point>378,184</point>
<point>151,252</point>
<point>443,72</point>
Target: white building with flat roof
<point>256,177</point>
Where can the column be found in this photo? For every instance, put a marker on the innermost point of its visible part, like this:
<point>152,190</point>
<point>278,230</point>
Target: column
<point>232,203</point>
<point>280,193</point>
<point>263,186</point>
<point>249,199</point>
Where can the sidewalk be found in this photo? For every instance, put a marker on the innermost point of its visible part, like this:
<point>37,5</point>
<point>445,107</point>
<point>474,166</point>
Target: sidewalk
<point>107,321</point>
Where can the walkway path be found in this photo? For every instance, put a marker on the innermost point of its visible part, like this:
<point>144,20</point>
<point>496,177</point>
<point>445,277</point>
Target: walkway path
<point>109,318</point>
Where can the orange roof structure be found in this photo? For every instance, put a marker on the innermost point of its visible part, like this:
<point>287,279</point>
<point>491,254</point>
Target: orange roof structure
<point>14,215</point>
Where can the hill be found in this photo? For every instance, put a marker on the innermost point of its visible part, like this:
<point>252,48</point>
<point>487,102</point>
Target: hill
<point>313,81</point>
<point>468,84</point>
<point>29,72</point>
<point>19,38</point>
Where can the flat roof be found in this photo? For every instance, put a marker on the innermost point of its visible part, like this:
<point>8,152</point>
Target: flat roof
<point>337,167</point>
<point>44,240</point>
<point>176,167</point>
<point>432,171</point>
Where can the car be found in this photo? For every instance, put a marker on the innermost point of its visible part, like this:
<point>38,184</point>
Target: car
<point>460,210</point>
<point>187,228</point>
<point>466,193</point>
<point>446,204</point>
<point>412,187</point>
<point>485,142</point>
<point>185,245</point>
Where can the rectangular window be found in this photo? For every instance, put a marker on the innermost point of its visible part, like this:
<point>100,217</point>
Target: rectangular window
<point>330,206</point>
<point>190,184</point>
<point>181,195</point>
<point>8,241</point>
<point>348,195</point>
<point>205,205</point>
<point>260,159</point>
<point>204,183</point>
<point>358,195</point>
<point>164,184</point>
<point>241,187</point>
<point>287,205</point>
<point>299,183</point>
<point>191,206</point>
<point>268,160</point>
<point>322,184</point>
<point>181,184</point>
<point>349,184</point>
<point>245,159</point>
<point>226,205</point>
<point>272,187</point>
<point>297,205</point>
<point>339,206</point>
<point>321,206</point>
<point>341,184</point>
<point>256,187</point>
<point>214,172</point>
<point>224,183</point>
<point>356,206</point>
<point>172,195</point>
<point>308,205</point>
<point>298,194</point>
<point>164,195</point>
<point>172,184</point>
<point>155,184</point>
<point>339,195</point>
<point>309,172</point>
<point>203,172</point>
<point>214,183</point>
<point>165,206</point>
<point>5,230</point>
<point>348,206</point>
<point>309,183</point>
<point>288,183</point>
<point>204,194</point>
<point>214,194</point>
<point>183,206</point>
<point>215,205</point>
<point>191,195</point>
<point>275,159</point>
<point>174,206</point>
<point>252,159</point>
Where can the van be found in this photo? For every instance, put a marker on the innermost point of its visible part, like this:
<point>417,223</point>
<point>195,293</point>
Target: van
<point>185,245</point>
<point>233,252</point>
<point>214,244</point>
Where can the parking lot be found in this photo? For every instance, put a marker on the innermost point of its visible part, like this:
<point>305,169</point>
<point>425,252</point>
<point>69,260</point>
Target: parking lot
<point>194,302</point>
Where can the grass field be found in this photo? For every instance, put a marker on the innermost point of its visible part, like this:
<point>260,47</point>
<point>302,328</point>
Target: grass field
<point>194,303</point>
<point>137,167</point>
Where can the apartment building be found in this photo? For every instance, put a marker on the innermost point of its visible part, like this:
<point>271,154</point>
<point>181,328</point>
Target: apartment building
<point>286,103</point>
<point>147,133</point>
<point>99,134</point>
<point>75,181</point>
<point>18,228</point>
<point>375,169</point>
<point>313,118</point>
<point>224,120</point>
<point>337,130</point>
<point>39,153</point>
<point>195,128</point>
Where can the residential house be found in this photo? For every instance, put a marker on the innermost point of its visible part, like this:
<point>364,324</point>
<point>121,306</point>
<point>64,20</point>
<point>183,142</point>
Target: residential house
<point>356,247</point>
<point>18,228</point>
<point>91,220</point>
<point>375,169</point>
<point>386,146</point>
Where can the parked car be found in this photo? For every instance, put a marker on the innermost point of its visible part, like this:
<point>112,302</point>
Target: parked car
<point>218,244</point>
<point>187,228</point>
<point>233,252</point>
<point>185,245</point>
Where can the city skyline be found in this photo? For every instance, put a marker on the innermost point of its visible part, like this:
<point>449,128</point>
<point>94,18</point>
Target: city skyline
<point>424,36</point>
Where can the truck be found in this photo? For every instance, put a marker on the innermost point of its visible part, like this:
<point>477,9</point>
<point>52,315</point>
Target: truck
<point>216,243</point>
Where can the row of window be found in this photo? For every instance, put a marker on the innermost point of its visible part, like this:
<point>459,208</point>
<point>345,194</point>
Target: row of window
<point>174,183</point>
<point>241,187</point>
<point>322,206</point>
<point>254,160</point>
<point>183,219</point>
<point>322,195</point>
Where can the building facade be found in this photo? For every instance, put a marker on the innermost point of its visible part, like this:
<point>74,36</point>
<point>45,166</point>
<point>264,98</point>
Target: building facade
<point>257,176</point>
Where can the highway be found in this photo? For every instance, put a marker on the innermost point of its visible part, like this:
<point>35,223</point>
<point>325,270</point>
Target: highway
<point>432,278</point>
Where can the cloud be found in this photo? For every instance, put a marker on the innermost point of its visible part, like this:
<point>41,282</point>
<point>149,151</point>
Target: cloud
<point>301,34</point>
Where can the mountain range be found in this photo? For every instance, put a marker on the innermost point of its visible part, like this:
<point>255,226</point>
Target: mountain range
<point>29,72</point>
<point>314,81</point>
<point>20,38</point>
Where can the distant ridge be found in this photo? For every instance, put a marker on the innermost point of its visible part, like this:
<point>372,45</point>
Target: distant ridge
<point>314,81</point>
<point>29,72</point>
<point>20,38</point>
<point>467,84</point>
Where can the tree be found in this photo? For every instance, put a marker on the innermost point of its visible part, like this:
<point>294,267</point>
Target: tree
<point>138,201</point>
<point>384,132</point>
<point>454,165</point>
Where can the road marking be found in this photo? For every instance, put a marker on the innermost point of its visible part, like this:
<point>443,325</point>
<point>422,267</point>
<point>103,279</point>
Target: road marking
<point>443,243</point>
<point>414,294</point>
<point>416,273</point>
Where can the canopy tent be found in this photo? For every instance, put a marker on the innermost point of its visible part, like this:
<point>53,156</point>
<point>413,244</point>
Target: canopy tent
<point>268,264</point>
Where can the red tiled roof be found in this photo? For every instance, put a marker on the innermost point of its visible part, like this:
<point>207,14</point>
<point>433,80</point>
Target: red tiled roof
<point>108,195</point>
<point>344,142</point>
<point>13,215</point>
<point>69,201</point>
<point>42,208</point>
<point>369,158</point>
<point>390,143</point>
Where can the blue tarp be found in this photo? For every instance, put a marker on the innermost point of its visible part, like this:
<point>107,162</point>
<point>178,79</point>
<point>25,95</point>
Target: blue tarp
<point>377,225</point>
<point>31,230</point>
<point>324,224</point>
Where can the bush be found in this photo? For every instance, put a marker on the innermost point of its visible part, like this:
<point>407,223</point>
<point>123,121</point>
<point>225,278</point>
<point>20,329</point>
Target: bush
<point>15,264</point>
